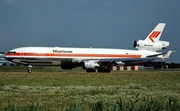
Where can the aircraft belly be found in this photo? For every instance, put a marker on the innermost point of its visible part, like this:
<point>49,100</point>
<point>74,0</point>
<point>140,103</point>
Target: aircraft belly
<point>42,61</point>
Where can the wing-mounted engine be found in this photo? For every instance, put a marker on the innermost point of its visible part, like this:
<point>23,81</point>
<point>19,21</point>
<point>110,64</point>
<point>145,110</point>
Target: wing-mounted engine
<point>90,65</point>
<point>152,46</point>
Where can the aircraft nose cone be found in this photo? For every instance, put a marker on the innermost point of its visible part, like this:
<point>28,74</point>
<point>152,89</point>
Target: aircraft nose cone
<point>7,58</point>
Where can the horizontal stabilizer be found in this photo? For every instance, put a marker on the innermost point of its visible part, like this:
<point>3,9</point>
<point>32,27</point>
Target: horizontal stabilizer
<point>168,54</point>
<point>163,55</point>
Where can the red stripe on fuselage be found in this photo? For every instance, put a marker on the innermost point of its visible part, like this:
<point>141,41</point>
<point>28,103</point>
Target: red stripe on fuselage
<point>31,54</point>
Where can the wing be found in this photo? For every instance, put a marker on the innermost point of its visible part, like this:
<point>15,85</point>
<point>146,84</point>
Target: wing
<point>127,61</point>
<point>115,61</point>
<point>137,61</point>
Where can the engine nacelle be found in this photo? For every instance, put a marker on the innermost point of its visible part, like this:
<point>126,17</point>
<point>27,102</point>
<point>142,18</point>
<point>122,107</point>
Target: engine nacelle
<point>146,45</point>
<point>165,44</point>
<point>120,63</point>
<point>90,65</point>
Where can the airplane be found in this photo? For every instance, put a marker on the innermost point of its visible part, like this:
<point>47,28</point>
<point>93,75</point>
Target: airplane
<point>93,59</point>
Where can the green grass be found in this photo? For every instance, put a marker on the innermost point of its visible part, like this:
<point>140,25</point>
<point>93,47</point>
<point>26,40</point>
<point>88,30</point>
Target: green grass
<point>37,69</point>
<point>135,104</point>
<point>57,89</point>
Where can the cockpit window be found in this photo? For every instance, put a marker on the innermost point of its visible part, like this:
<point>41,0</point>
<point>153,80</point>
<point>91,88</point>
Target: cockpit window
<point>12,52</point>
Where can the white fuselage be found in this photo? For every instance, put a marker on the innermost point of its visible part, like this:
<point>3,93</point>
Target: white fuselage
<point>64,55</point>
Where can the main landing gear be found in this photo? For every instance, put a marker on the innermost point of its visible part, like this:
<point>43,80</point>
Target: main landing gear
<point>29,68</point>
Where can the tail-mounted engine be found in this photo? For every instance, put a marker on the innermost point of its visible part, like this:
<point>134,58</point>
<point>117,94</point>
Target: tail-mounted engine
<point>146,45</point>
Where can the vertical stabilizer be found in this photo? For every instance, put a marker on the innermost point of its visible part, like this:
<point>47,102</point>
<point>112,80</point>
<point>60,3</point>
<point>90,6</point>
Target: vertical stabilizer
<point>156,33</point>
<point>152,41</point>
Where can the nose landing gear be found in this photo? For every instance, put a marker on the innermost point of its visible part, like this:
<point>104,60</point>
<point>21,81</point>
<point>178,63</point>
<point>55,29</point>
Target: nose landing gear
<point>29,68</point>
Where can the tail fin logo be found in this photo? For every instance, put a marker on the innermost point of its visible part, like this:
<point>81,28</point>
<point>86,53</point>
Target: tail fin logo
<point>154,35</point>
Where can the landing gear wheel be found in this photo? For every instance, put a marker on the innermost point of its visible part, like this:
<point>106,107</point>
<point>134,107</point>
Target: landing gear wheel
<point>108,70</point>
<point>90,70</point>
<point>29,68</point>
<point>104,70</point>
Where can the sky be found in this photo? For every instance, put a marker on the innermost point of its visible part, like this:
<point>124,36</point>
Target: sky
<point>87,23</point>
